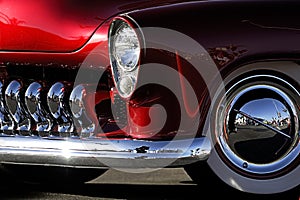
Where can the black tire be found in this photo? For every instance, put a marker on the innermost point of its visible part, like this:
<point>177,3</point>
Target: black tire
<point>201,174</point>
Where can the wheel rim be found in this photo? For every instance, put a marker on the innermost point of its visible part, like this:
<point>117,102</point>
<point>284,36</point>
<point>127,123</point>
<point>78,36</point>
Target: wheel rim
<point>257,126</point>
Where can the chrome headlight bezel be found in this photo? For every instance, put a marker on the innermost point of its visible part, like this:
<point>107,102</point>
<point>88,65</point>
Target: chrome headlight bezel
<point>125,43</point>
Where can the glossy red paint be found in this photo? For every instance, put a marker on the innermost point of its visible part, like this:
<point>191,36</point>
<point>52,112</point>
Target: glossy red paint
<point>96,47</point>
<point>44,26</point>
<point>147,122</point>
<point>57,26</point>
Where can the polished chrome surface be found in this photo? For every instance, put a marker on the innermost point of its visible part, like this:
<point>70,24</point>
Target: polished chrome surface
<point>258,125</point>
<point>16,107</point>
<point>279,124</point>
<point>6,121</point>
<point>102,153</point>
<point>84,125</point>
<point>36,109</point>
<point>58,108</point>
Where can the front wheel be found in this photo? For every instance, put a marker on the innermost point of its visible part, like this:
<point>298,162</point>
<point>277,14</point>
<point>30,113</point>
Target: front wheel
<point>255,132</point>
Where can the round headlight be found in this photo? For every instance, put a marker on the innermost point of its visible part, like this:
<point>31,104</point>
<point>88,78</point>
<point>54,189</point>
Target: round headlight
<point>124,52</point>
<point>126,47</point>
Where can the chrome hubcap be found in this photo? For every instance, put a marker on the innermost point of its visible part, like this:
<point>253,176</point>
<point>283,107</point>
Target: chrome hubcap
<point>258,126</point>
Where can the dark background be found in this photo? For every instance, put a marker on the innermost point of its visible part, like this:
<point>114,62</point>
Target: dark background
<point>159,184</point>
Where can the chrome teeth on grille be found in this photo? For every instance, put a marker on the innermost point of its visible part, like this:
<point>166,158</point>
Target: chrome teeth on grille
<point>33,101</point>
<point>58,108</point>
<point>27,112</point>
<point>84,124</point>
<point>16,108</point>
<point>6,121</point>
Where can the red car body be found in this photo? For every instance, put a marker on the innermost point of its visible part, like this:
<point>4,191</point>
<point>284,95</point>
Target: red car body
<point>244,46</point>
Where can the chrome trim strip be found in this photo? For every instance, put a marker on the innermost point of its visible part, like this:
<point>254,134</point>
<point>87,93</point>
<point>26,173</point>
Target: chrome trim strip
<point>99,153</point>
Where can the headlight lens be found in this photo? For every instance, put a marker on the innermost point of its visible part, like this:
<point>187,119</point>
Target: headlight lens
<point>124,49</point>
<point>126,84</point>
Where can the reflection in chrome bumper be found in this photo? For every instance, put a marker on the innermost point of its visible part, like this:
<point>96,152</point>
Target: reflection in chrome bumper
<point>97,153</point>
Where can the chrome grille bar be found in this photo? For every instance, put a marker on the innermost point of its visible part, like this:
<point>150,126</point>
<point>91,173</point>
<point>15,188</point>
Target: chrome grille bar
<point>6,121</point>
<point>33,101</point>
<point>59,110</point>
<point>84,125</point>
<point>17,109</point>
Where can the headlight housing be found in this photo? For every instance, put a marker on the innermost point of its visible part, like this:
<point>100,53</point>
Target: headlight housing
<point>124,52</point>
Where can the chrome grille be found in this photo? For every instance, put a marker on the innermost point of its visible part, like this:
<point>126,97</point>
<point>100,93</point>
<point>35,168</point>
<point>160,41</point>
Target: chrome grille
<point>35,110</point>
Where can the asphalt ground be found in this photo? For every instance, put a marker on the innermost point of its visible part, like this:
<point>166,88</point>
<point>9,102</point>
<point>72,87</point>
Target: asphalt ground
<point>159,184</point>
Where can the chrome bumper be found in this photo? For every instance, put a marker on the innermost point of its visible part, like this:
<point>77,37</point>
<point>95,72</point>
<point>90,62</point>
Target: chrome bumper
<point>97,153</point>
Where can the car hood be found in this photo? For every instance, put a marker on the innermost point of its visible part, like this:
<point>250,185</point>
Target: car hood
<point>58,26</point>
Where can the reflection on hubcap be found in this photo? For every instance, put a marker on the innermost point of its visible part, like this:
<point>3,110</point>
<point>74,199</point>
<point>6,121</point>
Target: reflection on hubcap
<point>258,127</point>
